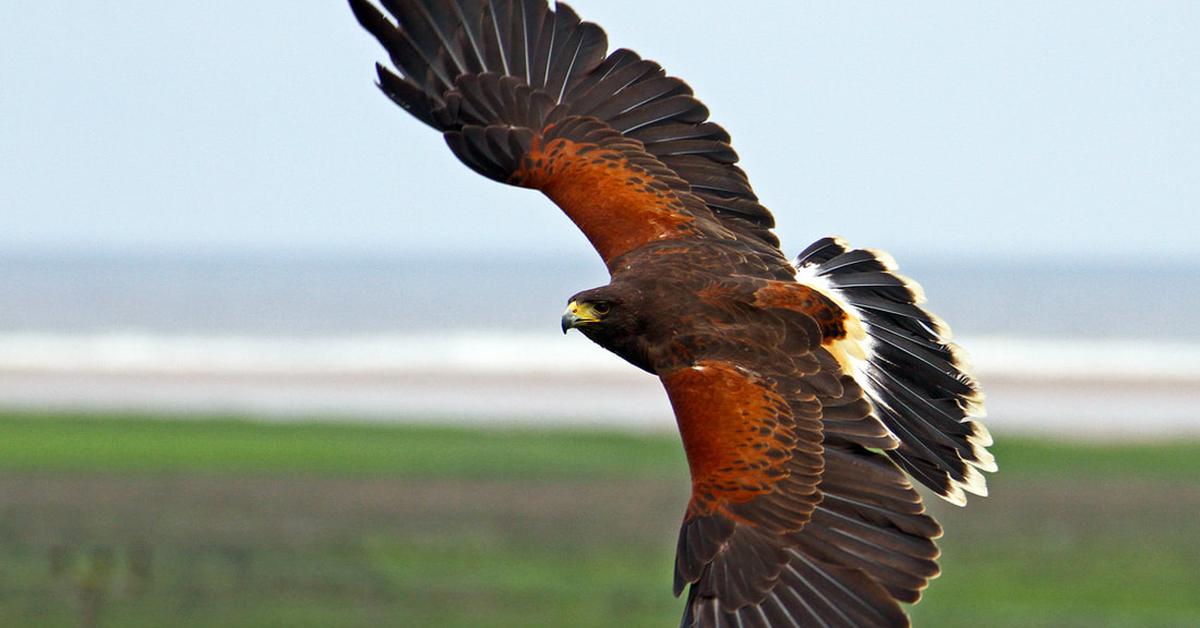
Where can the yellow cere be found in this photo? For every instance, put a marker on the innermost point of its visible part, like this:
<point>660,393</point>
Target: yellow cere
<point>584,312</point>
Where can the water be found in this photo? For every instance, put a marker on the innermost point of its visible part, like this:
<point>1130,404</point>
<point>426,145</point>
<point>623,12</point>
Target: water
<point>282,296</point>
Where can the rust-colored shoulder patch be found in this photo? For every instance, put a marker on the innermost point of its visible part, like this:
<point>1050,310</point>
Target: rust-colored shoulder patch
<point>736,432</point>
<point>617,204</point>
<point>841,333</point>
<point>801,298</point>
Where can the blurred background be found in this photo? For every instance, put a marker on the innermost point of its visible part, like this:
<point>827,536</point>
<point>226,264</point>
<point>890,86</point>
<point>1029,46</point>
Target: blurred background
<point>270,356</point>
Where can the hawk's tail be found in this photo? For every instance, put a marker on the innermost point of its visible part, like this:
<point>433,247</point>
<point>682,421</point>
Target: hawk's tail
<point>917,379</point>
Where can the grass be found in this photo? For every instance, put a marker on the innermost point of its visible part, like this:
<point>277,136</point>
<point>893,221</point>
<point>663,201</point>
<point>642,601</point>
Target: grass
<point>90,443</point>
<point>131,521</point>
<point>131,444</point>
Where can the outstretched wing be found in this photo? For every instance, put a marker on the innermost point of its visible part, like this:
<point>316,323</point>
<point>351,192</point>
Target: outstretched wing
<point>867,547</point>
<point>793,521</point>
<point>530,97</point>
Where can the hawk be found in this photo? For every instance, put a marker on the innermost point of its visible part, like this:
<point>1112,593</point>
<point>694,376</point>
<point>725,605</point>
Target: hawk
<point>807,393</point>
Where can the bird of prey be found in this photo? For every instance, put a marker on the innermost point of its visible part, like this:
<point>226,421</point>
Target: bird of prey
<point>807,393</point>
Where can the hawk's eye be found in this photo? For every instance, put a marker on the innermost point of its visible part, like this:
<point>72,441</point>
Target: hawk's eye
<point>601,308</point>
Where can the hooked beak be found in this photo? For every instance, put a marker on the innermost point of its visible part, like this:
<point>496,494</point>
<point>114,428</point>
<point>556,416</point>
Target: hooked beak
<point>577,315</point>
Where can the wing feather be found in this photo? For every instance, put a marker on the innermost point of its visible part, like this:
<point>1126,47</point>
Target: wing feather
<point>440,48</point>
<point>868,547</point>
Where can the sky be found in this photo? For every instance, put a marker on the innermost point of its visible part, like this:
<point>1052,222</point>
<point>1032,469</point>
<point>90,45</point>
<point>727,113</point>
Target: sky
<point>966,130</point>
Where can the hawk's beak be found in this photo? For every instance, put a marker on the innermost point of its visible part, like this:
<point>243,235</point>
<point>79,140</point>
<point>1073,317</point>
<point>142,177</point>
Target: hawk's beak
<point>577,315</point>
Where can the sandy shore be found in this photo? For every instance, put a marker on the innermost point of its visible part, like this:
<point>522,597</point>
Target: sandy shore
<point>1078,408</point>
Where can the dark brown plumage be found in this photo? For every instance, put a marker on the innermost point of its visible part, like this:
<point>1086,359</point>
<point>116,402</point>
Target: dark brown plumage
<point>786,380</point>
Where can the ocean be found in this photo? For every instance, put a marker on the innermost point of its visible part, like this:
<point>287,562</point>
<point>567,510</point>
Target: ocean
<point>74,328</point>
<point>307,296</point>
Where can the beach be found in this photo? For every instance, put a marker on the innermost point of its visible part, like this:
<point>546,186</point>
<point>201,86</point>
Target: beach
<point>553,381</point>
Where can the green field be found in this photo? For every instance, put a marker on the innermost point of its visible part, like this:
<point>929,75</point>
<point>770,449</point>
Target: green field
<point>129,521</point>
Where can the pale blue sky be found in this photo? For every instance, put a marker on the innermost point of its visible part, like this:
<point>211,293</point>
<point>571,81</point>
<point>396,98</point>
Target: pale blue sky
<point>981,129</point>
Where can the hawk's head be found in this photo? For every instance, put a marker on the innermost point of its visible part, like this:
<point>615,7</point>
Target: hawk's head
<point>610,317</point>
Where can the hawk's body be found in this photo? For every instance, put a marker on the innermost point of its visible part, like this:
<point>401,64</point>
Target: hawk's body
<point>786,380</point>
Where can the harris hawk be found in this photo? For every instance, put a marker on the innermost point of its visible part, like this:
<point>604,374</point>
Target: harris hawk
<point>808,393</point>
